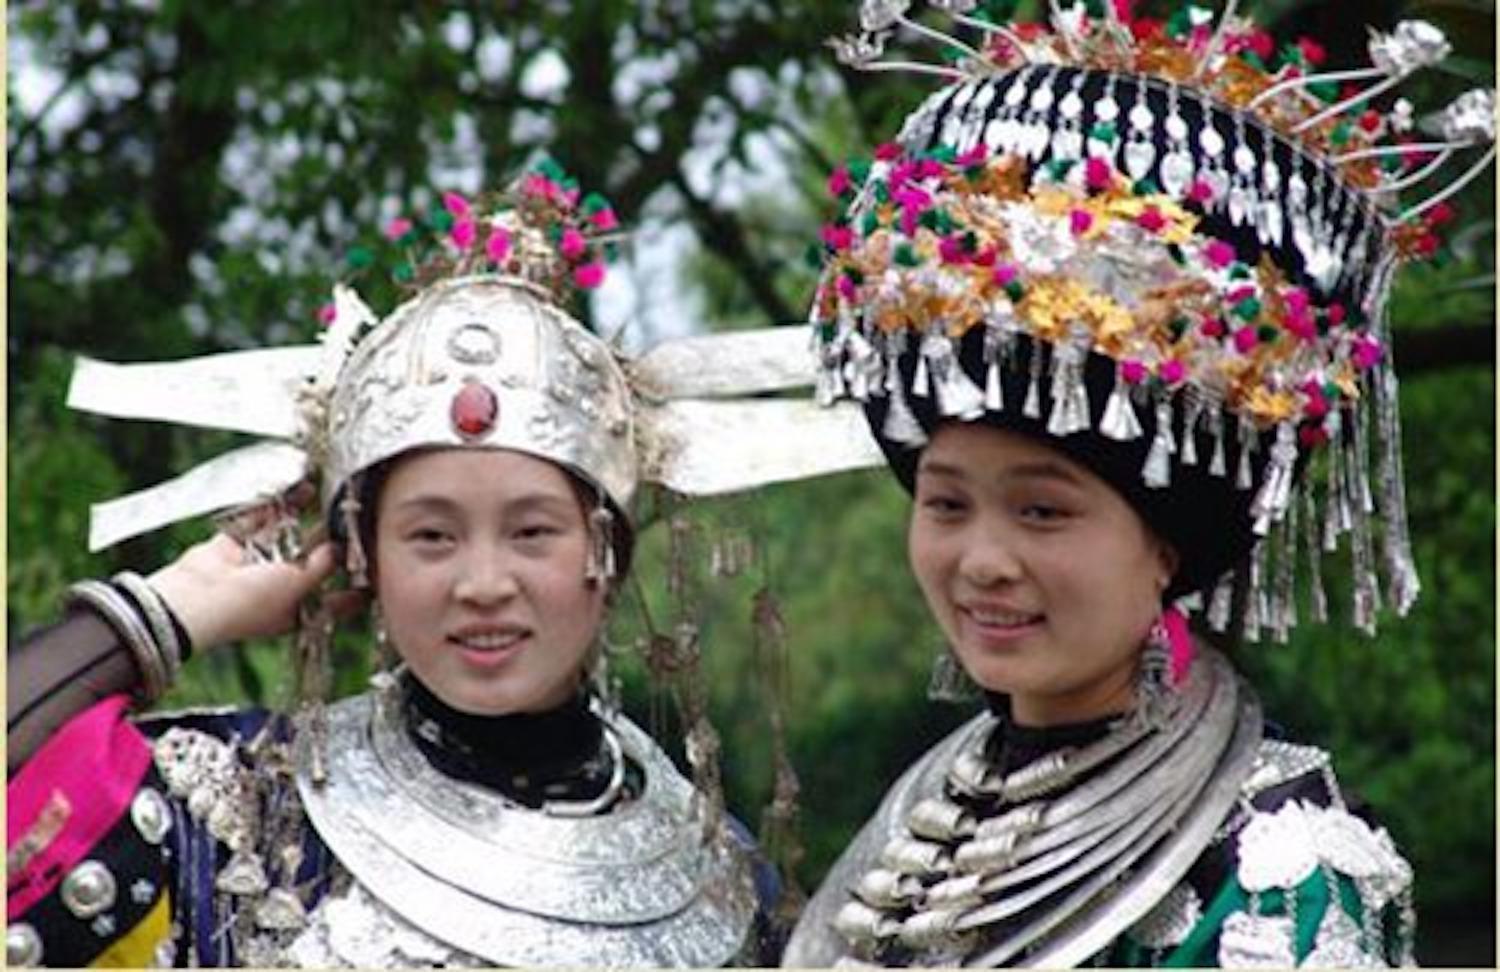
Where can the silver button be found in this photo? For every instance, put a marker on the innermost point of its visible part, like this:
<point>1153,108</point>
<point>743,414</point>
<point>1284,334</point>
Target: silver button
<point>89,889</point>
<point>23,946</point>
<point>151,815</point>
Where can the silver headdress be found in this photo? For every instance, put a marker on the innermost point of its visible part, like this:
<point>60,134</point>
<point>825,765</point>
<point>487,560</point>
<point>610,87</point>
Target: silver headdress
<point>484,355</point>
<point>1190,244</point>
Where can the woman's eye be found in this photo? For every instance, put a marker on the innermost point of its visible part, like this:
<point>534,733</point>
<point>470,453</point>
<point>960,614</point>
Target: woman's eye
<point>943,505</point>
<point>537,531</point>
<point>429,536</point>
<point>1042,513</point>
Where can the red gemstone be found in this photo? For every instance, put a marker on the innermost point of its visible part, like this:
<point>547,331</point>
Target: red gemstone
<point>474,409</point>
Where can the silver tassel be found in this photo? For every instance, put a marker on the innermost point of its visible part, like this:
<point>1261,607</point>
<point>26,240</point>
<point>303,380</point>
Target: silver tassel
<point>355,560</point>
<point>1275,491</point>
<point>1157,472</point>
<point>957,396</point>
<point>1316,594</point>
<point>1282,617</point>
<point>1120,422</point>
<point>1188,450</point>
<point>601,567</point>
<point>1070,397</point>
<point>994,388</point>
<point>863,366</point>
<point>1245,475</point>
<point>921,383</point>
<point>1033,406</point>
<point>1334,490</point>
<point>1222,601</point>
<point>1286,590</point>
<point>994,394</point>
<point>894,347</point>
<point>1217,466</point>
<point>1400,564</point>
<point>901,426</point>
<point>1255,599</point>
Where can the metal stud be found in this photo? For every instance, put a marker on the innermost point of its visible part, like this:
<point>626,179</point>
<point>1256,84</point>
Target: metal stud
<point>23,946</point>
<point>89,889</point>
<point>151,816</point>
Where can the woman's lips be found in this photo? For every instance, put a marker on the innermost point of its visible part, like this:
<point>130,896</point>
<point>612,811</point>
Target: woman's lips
<point>999,626</point>
<point>490,649</point>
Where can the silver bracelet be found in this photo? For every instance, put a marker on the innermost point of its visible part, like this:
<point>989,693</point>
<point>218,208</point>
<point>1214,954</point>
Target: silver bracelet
<point>159,616</point>
<point>111,605</point>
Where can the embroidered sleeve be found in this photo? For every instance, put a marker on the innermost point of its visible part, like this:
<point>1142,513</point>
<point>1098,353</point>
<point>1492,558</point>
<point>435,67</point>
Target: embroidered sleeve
<point>1308,883</point>
<point>86,865</point>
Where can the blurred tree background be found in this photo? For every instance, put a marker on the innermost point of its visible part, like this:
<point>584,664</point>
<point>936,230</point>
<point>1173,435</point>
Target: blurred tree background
<point>186,178</point>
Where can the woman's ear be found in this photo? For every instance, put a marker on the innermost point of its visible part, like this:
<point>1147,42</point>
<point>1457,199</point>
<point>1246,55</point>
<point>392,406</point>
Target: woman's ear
<point>1167,557</point>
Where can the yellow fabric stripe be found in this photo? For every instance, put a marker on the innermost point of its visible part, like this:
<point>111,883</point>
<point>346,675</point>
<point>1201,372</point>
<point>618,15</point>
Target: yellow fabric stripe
<point>137,949</point>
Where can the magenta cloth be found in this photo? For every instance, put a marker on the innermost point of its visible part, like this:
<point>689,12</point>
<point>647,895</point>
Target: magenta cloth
<point>97,762</point>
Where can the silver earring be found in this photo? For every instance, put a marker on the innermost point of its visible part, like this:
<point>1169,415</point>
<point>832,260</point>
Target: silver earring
<point>601,567</point>
<point>949,682</point>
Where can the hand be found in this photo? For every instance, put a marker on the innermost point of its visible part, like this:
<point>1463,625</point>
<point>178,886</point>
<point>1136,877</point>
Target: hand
<point>219,598</point>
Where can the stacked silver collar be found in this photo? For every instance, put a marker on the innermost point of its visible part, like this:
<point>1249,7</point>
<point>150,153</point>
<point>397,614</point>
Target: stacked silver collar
<point>637,886</point>
<point>1028,885</point>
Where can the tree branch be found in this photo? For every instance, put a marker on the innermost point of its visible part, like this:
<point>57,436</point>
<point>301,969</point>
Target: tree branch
<point>725,236</point>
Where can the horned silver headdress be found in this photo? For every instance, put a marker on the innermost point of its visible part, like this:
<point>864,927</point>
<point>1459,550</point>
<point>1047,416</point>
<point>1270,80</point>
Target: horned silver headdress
<point>483,355</point>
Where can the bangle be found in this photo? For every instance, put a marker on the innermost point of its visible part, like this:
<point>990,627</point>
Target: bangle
<point>111,605</point>
<point>158,616</point>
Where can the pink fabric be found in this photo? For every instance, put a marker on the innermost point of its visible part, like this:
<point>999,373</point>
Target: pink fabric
<point>1180,642</point>
<point>96,762</point>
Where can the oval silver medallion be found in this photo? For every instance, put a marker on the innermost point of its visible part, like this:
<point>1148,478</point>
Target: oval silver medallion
<point>151,816</point>
<point>474,344</point>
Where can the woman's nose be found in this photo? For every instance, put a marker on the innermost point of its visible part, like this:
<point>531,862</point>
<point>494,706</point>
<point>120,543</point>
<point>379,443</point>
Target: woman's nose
<point>989,558</point>
<point>486,578</point>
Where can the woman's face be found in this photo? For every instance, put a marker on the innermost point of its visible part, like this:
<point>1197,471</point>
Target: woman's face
<point>479,567</point>
<point>1044,579</point>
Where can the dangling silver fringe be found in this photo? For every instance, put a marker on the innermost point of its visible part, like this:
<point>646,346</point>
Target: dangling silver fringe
<point>949,681</point>
<point>1217,465</point>
<point>1033,406</point>
<point>900,424</point>
<point>830,382</point>
<point>1283,599</point>
<point>1365,583</point>
<point>1120,422</point>
<point>355,562</point>
<point>957,395</point>
<point>1256,607</point>
<point>994,390</point>
<point>863,367</point>
<point>1070,397</point>
<point>1157,471</point>
<point>895,346</point>
<point>1192,409</point>
<point>1316,595</point>
<point>601,567</point>
<point>1276,490</point>
<point>1334,493</point>
<point>1245,475</point>
<point>921,384</point>
<point>1221,603</point>
<point>1401,567</point>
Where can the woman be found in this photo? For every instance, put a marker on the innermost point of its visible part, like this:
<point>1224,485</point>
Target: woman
<point>477,451</point>
<point>1113,306</point>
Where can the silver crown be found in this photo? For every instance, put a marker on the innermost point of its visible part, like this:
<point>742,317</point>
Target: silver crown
<point>485,362</point>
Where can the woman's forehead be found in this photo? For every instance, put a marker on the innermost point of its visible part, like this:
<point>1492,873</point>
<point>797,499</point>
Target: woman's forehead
<point>496,475</point>
<point>979,451</point>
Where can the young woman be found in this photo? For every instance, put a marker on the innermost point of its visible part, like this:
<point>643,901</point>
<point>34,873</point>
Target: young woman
<point>477,450</point>
<point>1114,309</point>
